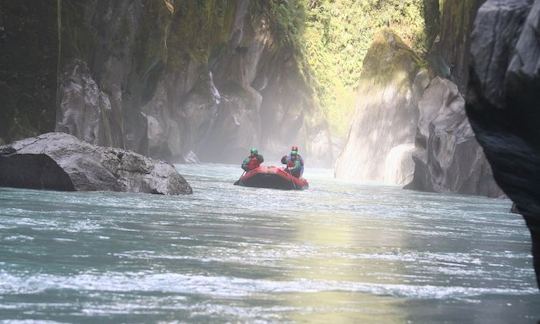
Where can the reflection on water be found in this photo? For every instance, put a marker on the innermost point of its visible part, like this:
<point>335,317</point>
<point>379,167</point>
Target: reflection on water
<point>332,241</point>
<point>338,252</point>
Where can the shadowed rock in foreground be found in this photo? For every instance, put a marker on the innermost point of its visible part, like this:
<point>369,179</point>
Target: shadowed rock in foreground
<point>59,161</point>
<point>503,102</point>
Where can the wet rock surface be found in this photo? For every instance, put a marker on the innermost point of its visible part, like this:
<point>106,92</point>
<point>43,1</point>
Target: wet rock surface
<point>59,161</point>
<point>448,158</point>
<point>386,114</point>
<point>411,129</point>
<point>503,102</point>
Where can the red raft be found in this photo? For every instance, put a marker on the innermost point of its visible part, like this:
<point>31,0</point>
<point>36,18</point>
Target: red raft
<point>273,178</point>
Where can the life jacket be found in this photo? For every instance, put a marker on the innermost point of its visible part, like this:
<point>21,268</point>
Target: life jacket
<point>299,157</point>
<point>253,163</point>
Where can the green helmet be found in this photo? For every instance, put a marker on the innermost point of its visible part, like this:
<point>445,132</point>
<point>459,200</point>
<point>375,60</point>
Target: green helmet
<point>254,151</point>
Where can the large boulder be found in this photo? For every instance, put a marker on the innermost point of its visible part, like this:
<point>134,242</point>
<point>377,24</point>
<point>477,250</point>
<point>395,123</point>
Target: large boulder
<point>386,114</point>
<point>503,102</point>
<point>59,161</point>
<point>448,158</point>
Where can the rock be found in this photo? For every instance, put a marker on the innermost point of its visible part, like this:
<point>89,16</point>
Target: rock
<point>322,148</point>
<point>164,78</point>
<point>58,161</point>
<point>399,167</point>
<point>85,111</point>
<point>448,158</point>
<point>449,55</point>
<point>386,112</point>
<point>28,67</point>
<point>412,130</point>
<point>503,101</point>
<point>191,158</point>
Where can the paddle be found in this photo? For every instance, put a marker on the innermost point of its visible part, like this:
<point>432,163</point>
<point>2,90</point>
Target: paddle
<point>238,181</point>
<point>292,181</point>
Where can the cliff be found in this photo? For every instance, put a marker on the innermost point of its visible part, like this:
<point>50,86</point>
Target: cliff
<point>413,131</point>
<point>448,157</point>
<point>381,137</point>
<point>449,54</point>
<point>165,78</point>
<point>503,101</point>
<point>28,67</point>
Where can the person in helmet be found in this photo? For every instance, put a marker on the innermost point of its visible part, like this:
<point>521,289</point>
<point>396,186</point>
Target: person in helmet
<point>294,162</point>
<point>253,161</point>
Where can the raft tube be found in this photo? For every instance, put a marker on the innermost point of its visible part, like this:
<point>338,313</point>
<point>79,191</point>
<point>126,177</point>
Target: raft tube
<point>273,178</point>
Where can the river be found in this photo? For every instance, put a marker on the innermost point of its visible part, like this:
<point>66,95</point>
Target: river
<point>338,252</point>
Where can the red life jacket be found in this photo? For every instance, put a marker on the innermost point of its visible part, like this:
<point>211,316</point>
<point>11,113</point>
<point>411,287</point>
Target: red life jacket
<point>253,163</point>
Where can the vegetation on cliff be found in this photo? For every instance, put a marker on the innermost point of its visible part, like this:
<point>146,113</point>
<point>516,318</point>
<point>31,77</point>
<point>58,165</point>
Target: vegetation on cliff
<point>338,35</point>
<point>331,39</point>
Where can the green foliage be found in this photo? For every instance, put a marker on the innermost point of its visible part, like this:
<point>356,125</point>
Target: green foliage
<point>285,20</point>
<point>338,34</point>
<point>198,27</point>
<point>330,39</point>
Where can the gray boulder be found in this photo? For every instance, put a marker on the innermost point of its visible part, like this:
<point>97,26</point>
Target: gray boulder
<point>448,158</point>
<point>503,102</point>
<point>59,161</point>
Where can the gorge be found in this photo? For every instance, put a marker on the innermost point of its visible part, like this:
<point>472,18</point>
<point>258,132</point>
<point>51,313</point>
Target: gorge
<point>436,97</point>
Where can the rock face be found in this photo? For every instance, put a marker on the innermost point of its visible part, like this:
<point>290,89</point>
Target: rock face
<point>59,161</point>
<point>503,102</point>
<point>411,129</point>
<point>28,60</point>
<point>448,158</point>
<point>449,54</point>
<point>166,78</point>
<point>384,126</point>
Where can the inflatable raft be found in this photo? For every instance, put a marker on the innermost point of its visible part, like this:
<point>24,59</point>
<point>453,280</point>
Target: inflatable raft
<point>273,178</point>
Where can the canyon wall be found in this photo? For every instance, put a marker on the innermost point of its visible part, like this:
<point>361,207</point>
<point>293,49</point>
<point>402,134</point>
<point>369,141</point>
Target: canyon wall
<point>411,129</point>
<point>171,78</point>
<point>381,137</point>
<point>503,102</point>
<point>28,67</point>
<point>165,78</point>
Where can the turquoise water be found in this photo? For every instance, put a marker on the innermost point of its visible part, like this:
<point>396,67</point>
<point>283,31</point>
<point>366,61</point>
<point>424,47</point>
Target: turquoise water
<point>339,252</point>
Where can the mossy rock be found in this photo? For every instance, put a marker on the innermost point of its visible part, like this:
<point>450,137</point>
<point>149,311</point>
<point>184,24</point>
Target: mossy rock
<point>389,58</point>
<point>197,29</point>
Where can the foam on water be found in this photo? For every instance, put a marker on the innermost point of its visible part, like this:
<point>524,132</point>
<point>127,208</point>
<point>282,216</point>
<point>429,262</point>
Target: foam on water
<point>338,252</point>
<point>229,286</point>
